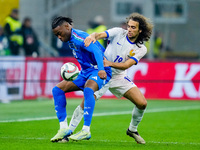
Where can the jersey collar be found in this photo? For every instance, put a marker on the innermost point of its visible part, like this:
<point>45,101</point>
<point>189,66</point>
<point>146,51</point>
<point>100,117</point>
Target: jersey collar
<point>129,40</point>
<point>71,34</point>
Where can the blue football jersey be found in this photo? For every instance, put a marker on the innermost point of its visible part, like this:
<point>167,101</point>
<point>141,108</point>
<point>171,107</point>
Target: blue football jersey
<point>88,57</point>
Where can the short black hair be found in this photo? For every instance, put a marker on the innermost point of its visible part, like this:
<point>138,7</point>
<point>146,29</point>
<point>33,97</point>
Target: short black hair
<point>59,21</point>
<point>15,10</point>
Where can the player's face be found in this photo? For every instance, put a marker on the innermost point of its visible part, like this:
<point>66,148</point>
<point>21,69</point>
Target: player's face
<point>133,29</point>
<point>63,32</point>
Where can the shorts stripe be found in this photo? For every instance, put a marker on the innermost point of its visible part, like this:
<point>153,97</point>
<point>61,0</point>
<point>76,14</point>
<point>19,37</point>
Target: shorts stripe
<point>127,78</point>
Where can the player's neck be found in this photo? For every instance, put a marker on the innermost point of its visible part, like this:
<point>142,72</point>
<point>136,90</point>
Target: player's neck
<point>132,39</point>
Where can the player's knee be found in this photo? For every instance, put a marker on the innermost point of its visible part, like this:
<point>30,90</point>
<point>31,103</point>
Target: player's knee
<point>88,90</point>
<point>142,105</point>
<point>57,91</point>
<point>54,90</point>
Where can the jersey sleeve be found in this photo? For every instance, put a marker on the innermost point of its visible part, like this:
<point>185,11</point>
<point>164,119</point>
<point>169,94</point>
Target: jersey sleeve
<point>140,54</point>
<point>93,48</point>
<point>113,32</point>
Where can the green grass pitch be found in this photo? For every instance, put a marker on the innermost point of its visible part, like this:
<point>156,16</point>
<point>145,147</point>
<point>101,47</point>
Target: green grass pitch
<point>30,124</point>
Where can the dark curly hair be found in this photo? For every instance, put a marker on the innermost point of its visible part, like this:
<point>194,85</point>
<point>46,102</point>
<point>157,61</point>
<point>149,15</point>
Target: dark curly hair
<point>59,21</point>
<point>144,24</point>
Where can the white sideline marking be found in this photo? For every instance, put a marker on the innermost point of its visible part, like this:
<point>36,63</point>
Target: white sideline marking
<point>176,143</point>
<point>155,142</point>
<point>110,113</point>
<point>20,138</point>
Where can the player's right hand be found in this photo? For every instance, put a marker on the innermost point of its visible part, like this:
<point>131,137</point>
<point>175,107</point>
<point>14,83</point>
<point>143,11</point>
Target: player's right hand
<point>102,74</point>
<point>89,40</point>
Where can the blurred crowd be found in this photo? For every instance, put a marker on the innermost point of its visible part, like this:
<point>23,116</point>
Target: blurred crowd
<point>15,35</point>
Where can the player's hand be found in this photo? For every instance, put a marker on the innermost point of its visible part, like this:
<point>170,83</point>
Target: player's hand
<point>89,40</point>
<point>106,63</point>
<point>102,74</point>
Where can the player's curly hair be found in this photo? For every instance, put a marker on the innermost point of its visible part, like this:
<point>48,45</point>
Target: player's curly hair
<point>59,21</point>
<point>144,24</point>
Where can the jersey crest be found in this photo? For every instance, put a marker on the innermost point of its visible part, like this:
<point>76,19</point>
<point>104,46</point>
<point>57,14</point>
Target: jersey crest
<point>132,53</point>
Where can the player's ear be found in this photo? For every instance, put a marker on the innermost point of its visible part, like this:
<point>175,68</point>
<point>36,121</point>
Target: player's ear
<point>66,25</point>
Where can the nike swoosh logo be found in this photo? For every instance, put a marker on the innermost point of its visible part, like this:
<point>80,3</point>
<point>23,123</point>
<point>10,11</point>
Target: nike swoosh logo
<point>119,43</point>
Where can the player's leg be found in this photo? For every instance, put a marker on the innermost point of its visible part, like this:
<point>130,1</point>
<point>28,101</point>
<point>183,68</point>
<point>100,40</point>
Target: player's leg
<point>90,87</point>
<point>77,116</point>
<point>136,97</point>
<point>60,100</point>
<point>60,107</point>
<point>78,112</point>
<point>122,86</point>
<point>89,105</point>
<point>93,84</point>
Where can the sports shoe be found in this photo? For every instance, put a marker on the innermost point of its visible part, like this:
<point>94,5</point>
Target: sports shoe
<point>82,135</point>
<point>62,133</point>
<point>136,136</point>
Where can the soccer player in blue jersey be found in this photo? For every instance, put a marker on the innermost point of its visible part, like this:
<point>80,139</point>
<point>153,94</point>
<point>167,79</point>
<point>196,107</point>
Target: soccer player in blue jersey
<point>92,77</point>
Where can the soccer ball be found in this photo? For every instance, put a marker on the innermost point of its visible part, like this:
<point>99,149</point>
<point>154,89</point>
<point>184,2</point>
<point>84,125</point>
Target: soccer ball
<point>69,71</point>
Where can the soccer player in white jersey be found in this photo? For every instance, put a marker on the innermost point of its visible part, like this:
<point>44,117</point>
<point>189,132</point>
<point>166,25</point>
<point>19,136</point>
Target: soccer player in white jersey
<point>125,49</point>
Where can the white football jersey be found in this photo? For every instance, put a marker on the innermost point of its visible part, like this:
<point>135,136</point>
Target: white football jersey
<point>120,48</point>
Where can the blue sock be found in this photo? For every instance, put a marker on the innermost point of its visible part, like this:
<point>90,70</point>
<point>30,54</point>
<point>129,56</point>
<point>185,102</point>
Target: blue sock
<point>88,105</point>
<point>59,103</point>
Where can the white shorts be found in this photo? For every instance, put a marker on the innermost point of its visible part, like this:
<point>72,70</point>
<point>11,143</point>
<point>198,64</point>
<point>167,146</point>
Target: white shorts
<point>118,86</point>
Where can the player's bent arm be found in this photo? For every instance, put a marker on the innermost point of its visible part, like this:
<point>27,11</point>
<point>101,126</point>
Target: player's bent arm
<point>94,37</point>
<point>100,35</point>
<point>99,59</point>
<point>123,66</point>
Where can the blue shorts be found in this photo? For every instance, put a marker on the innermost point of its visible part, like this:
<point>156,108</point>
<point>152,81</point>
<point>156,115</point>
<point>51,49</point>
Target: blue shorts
<point>92,74</point>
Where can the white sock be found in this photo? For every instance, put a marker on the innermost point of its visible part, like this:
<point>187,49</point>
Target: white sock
<point>76,118</point>
<point>64,124</point>
<point>137,115</point>
<point>86,128</point>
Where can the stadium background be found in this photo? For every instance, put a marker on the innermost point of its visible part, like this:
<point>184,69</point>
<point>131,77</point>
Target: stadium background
<point>170,83</point>
<point>158,78</point>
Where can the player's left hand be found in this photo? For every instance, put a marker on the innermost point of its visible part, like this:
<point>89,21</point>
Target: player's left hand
<point>88,40</point>
<point>102,74</point>
<point>106,63</point>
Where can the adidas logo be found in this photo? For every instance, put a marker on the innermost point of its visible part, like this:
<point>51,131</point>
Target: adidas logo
<point>95,77</point>
<point>86,113</point>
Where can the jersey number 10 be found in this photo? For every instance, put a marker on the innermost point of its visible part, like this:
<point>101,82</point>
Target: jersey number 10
<point>118,59</point>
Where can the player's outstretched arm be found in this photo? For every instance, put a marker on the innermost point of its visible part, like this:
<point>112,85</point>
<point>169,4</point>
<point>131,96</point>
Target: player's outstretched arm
<point>94,37</point>
<point>91,38</point>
